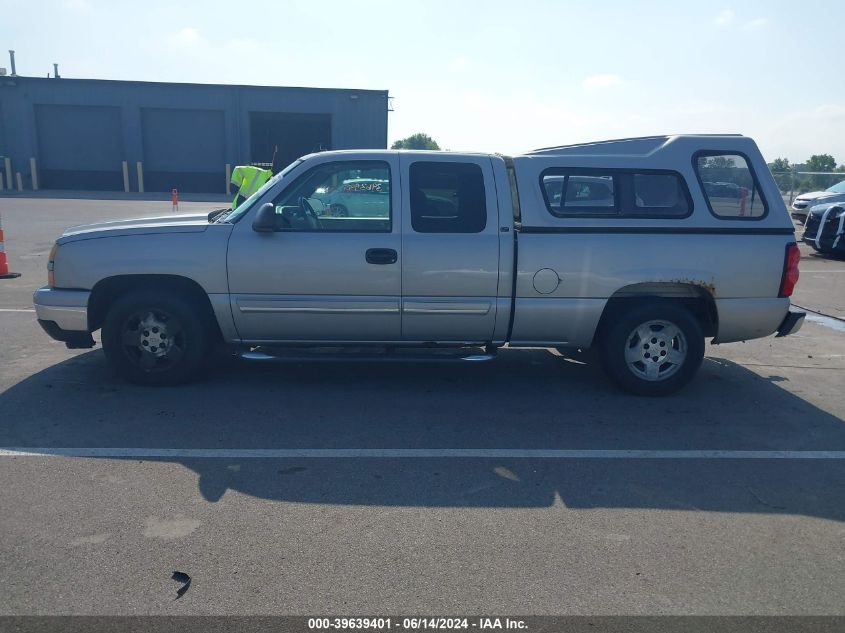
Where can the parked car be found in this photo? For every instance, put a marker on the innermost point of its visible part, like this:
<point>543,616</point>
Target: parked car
<point>470,251</point>
<point>824,229</point>
<point>724,189</point>
<point>801,205</point>
<point>356,197</point>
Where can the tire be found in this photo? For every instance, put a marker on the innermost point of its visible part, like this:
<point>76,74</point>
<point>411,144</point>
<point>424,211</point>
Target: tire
<point>659,330</point>
<point>139,325</point>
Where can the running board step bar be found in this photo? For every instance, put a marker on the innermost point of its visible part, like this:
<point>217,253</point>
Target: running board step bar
<point>372,355</point>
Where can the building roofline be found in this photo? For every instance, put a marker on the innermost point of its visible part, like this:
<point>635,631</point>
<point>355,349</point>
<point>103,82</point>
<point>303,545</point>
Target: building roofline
<point>186,83</point>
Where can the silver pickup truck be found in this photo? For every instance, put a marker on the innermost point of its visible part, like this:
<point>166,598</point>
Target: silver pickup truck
<point>641,248</point>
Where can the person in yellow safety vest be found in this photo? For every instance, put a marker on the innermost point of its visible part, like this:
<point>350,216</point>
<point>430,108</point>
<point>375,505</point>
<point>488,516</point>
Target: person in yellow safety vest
<point>248,179</point>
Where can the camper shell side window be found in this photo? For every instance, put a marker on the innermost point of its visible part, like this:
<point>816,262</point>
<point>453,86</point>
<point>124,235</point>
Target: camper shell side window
<point>617,193</point>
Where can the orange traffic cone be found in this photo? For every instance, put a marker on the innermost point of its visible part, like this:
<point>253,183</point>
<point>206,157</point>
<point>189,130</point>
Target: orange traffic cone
<point>4,265</point>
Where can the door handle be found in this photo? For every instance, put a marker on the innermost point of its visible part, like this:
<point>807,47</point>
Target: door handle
<point>381,256</point>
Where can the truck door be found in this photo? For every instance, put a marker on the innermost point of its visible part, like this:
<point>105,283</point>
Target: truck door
<point>450,248</point>
<point>331,270</point>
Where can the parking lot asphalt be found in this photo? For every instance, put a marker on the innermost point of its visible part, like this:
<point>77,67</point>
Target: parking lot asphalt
<point>174,485</point>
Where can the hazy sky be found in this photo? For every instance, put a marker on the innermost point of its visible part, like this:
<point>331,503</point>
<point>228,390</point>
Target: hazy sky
<point>486,75</point>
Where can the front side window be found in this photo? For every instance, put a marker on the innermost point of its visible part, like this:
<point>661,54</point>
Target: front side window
<point>447,198</point>
<point>338,196</point>
<point>729,186</point>
<point>244,207</point>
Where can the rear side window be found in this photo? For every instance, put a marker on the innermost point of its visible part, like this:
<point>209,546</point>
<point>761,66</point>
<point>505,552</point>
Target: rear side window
<point>447,198</point>
<point>730,186</point>
<point>615,193</point>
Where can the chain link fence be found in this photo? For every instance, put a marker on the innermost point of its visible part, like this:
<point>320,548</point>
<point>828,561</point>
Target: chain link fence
<point>793,182</point>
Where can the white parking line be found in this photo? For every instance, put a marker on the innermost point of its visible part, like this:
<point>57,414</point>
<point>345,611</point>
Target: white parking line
<point>17,310</point>
<point>286,453</point>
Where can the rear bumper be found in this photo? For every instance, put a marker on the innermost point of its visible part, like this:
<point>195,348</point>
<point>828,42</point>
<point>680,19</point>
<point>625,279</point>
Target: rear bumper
<point>791,323</point>
<point>63,314</point>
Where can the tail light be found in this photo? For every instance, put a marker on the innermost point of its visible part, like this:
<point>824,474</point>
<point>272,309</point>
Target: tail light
<point>51,264</point>
<point>790,270</point>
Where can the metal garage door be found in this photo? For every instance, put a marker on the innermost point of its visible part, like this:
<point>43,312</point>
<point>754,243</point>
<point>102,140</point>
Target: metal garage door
<point>79,147</point>
<point>184,149</point>
<point>293,134</point>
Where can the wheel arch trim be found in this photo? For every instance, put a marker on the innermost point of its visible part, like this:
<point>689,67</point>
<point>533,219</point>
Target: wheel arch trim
<point>214,307</point>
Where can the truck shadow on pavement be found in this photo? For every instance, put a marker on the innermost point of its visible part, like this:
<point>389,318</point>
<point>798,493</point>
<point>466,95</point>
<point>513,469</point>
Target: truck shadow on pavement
<point>526,399</point>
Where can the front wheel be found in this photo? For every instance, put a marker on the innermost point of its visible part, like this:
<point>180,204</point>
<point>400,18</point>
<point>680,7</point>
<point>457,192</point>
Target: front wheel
<point>154,338</point>
<point>653,349</point>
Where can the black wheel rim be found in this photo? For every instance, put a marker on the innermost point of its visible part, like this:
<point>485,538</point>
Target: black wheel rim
<point>152,340</point>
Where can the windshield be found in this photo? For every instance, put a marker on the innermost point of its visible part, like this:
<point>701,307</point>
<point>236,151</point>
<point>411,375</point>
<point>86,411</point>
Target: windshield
<point>246,205</point>
<point>838,188</point>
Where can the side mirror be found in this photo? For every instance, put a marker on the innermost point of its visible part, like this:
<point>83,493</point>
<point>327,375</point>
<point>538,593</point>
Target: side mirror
<point>265,219</point>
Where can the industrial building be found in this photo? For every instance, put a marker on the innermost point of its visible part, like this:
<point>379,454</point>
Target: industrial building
<point>88,134</point>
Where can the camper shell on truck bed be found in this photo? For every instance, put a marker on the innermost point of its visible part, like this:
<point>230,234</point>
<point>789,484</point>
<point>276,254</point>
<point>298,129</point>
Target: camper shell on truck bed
<point>640,247</point>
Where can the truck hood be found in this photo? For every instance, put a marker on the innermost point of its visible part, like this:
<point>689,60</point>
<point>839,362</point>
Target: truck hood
<point>183,223</point>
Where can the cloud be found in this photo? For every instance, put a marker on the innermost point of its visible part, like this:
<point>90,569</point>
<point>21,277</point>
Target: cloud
<point>188,36</point>
<point>757,23</point>
<point>608,80</point>
<point>724,17</point>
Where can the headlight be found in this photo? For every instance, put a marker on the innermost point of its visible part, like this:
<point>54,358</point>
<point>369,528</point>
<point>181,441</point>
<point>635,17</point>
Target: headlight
<point>51,264</point>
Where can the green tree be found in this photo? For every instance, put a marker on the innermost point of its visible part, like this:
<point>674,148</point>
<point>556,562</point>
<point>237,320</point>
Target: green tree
<point>780,165</point>
<point>782,172</point>
<point>416,141</point>
<point>719,162</point>
<point>717,168</point>
<point>821,162</point>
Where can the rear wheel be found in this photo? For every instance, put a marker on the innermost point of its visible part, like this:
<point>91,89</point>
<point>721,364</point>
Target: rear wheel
<point>154,338</point>
<point>653,349</point>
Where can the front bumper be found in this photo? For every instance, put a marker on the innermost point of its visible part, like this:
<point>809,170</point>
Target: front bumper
<point>64,315</point>
<point>791,323</point>
<point>72,338</point>
<point>827,237</point>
